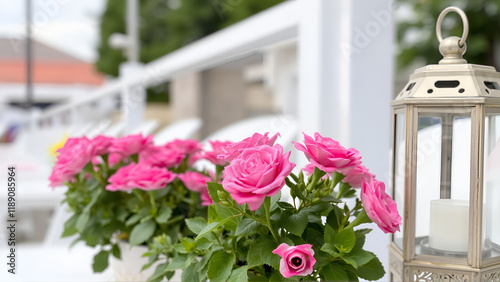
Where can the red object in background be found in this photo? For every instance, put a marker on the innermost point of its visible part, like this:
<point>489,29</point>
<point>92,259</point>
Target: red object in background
<point>50,66</point>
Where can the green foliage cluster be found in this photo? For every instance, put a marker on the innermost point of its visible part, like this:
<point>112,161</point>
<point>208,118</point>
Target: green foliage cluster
<point>236,244</point>
<point>484,22</point>
<point>137,216</point>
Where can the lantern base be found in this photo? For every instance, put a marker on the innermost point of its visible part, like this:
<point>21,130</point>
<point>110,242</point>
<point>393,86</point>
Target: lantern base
<point>426,249</point>
<point>433,271</point>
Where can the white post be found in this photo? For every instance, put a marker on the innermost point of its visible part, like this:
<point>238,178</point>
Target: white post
<point>345,82</point>
<point>133,97</point>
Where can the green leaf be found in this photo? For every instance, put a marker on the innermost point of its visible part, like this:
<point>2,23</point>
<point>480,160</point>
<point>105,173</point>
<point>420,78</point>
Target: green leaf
<point>142,232</point>
<point>190,274</point>
<point>159,272</point>
<point>298,192</point>
<point>335,217</point>
<point>317,208</point>
<point>334,272</point>
<point>82,221</point>
<point>239,275</point>
<point>196,224</point>
<point>164,214</point>
<point>345,240</point>
<point>69,226</point>
<point>100,261</point>
<point>362,231</point>
<point>330,234</point>
<point>115,250</point>
<point>294,223</point>
<point>220,266</point>
<point>361,257</point>
<point>331,250</point>
<point>134,219</point>
<point>212,191</point>
<point>226,214</point>
<point>360,242</point>
<point>189,244</point>
<point>286,206</point>
<point>210,227</point>
<point>373,270</point>
<point>180,261</point>
<point>262,252</point>
<point>247,227</point>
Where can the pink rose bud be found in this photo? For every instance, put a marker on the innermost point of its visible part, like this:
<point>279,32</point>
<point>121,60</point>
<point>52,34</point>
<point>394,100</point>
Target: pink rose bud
<point>235,149</point>
<point>256,173</point>
<point>131,144</point>
<point>355,176</point>
<point>327,154</point>
<point>216,150</point>
<point>296,260</point>
<point>379,206</point>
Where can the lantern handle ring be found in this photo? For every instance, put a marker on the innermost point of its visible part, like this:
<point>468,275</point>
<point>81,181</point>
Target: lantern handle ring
<point>459,11</point>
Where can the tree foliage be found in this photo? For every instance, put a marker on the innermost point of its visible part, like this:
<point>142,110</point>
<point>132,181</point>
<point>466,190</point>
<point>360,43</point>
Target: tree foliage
<point>166,25</point>
<point>416,33</point>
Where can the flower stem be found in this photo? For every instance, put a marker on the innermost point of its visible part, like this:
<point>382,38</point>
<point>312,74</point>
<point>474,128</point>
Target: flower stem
<point>361,218</point>
<point>267,208</point>
<point>316,177</point>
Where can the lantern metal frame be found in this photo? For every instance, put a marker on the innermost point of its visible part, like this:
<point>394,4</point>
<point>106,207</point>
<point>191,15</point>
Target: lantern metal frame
<point>477,97</point>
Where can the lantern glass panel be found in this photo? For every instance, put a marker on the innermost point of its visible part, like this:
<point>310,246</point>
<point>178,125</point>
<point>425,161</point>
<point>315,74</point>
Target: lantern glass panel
<point>443,183</point>
<point>491,186</point>
<point>399,171</point>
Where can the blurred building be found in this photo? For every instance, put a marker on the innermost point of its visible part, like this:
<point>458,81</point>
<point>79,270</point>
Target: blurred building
<point>57,77</point>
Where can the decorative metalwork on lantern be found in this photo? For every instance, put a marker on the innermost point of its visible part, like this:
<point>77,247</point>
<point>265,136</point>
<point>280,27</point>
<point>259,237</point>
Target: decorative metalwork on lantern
<point>446,169</point>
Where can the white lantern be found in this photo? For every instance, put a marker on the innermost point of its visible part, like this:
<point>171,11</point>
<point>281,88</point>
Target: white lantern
<point>446,164</point>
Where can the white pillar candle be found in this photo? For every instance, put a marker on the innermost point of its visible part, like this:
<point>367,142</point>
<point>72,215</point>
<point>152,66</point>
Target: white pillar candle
<point>449,225</point>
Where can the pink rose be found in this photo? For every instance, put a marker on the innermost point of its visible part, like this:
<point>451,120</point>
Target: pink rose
<point>161,156</point>
<point>131,144</point>
<point>379,206</point>
<point>140,176</point>
<point>327,154</point>
<point>194,181</point>
<point>101,144</point>
<point>197,182</point>
<point>296,260</point>
<point>234,150</point>
<point>71,160</point>
<point>355,176</point>
<point>216,150</point>
<point>256,173</point>
<point>187,147</point>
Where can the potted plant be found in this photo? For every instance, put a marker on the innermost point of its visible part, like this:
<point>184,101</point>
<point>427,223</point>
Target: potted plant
<point>253,235</point>
<point>124,191</point>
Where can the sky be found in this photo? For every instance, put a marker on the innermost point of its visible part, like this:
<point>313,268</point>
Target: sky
<point>68,25</point>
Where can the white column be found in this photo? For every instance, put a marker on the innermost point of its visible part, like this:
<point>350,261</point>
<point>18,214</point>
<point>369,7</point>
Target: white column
<point>345,82</point>
<point>133,97</point>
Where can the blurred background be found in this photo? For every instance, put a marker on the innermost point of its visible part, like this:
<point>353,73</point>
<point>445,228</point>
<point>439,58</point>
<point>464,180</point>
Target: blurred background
<point>198,69</point>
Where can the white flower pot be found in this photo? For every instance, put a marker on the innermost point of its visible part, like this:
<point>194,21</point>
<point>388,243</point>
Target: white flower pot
<point>128,268</point>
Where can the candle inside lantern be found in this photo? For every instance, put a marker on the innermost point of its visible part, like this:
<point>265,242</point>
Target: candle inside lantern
<point>449,225</point>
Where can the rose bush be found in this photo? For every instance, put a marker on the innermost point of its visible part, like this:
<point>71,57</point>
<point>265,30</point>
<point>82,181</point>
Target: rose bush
<point>129,188</point>
<point>254,234</point>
